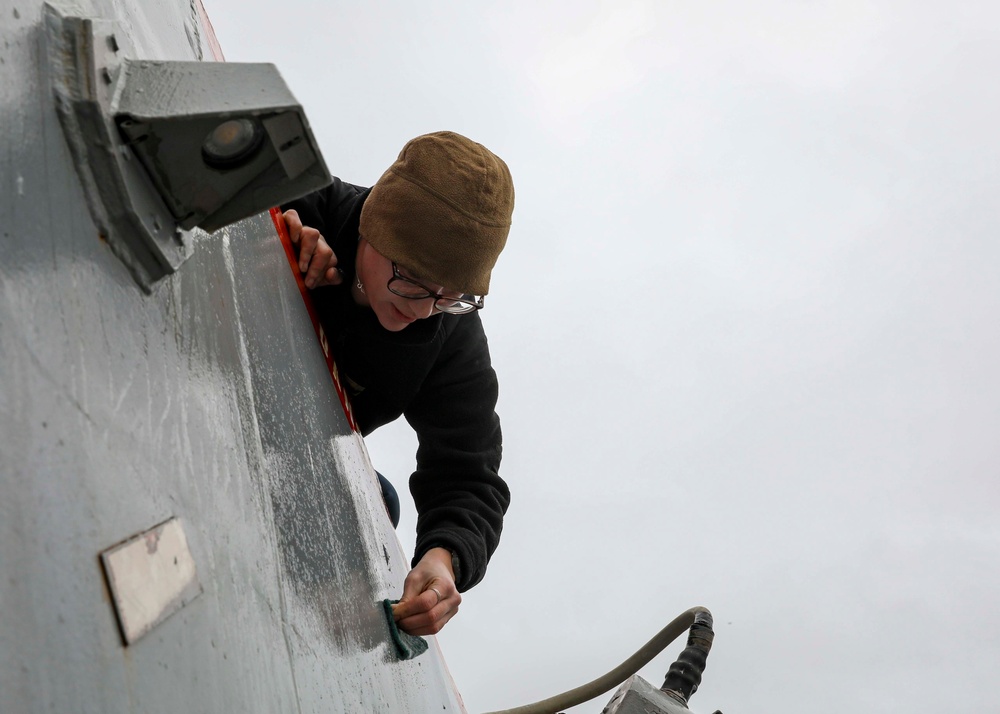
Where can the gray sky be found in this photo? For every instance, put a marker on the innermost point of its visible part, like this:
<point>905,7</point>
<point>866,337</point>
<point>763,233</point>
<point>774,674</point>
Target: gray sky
<point>746,328</point>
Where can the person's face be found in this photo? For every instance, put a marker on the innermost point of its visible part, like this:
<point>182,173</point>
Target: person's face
<point>394,312</point>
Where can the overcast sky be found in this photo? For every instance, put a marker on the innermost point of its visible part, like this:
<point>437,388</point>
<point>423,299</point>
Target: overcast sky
<point>746,328</point>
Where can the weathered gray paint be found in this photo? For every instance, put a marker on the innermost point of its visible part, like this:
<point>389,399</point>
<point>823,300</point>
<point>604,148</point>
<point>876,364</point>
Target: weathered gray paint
<point>637,696</point>
<point>206,400</point>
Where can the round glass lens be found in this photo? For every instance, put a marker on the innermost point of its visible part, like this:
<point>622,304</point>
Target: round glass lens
<point>232,142</point>
<point>408,289</point>
<point>458,306</point>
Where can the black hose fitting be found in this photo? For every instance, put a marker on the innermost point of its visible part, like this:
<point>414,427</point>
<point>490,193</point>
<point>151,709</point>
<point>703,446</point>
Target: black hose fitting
<point>684,675</point>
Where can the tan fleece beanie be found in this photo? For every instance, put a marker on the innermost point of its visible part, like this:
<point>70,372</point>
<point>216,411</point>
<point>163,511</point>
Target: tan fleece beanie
<point>442,211</point>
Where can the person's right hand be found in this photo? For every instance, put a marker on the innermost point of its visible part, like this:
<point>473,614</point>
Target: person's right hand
<point>316,258</point>
<point>429,597</point>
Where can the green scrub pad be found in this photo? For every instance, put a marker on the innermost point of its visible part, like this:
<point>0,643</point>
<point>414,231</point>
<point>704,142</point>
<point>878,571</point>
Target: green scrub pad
<point>407,646</point>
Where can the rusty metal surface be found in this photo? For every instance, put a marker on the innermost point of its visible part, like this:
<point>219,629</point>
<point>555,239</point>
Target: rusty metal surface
<point>207,400</point>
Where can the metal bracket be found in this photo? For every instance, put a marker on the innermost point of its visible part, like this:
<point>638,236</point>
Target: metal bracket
<point>86,57</point>
<point>637,696</point>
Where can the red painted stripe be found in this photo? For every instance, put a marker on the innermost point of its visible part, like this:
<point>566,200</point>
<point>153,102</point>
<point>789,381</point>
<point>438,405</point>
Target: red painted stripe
<point>213,41</point>
<point>279,224</point>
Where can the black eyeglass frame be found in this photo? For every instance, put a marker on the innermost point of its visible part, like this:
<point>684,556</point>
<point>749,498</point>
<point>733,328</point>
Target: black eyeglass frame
<point>464,303</point>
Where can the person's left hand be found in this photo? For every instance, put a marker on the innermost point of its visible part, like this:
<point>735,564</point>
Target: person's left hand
<point>430,597</point>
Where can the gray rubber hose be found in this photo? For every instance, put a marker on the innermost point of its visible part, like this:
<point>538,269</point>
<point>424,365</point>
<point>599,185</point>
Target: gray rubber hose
<point>605,683</point>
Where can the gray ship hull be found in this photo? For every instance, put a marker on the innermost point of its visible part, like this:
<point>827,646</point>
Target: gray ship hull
<point>207,401</point>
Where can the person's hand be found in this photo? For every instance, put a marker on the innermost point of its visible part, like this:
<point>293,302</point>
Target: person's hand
<point>430,597</point>
<point>316,259</point>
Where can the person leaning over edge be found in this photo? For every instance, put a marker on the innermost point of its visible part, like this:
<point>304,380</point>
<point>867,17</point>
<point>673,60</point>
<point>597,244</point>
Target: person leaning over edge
<point>398,274</point>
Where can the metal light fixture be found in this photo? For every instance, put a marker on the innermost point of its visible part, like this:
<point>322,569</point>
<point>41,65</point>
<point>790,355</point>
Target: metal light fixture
<point>164,147</point>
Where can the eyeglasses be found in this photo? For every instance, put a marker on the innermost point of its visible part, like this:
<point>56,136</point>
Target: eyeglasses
<point>450,301</point>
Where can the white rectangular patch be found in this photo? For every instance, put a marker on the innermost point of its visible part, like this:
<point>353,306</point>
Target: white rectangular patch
<point>151,576</point>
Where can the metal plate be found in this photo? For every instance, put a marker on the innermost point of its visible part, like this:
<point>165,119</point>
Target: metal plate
<point>151,576</point>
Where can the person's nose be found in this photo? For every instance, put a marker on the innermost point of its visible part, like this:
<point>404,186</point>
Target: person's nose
<point>425,308</point>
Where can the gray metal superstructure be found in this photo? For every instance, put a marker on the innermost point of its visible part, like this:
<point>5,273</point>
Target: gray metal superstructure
<point>207,401</point>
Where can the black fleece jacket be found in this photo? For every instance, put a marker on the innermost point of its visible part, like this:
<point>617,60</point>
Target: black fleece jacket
<point>436,372</point>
